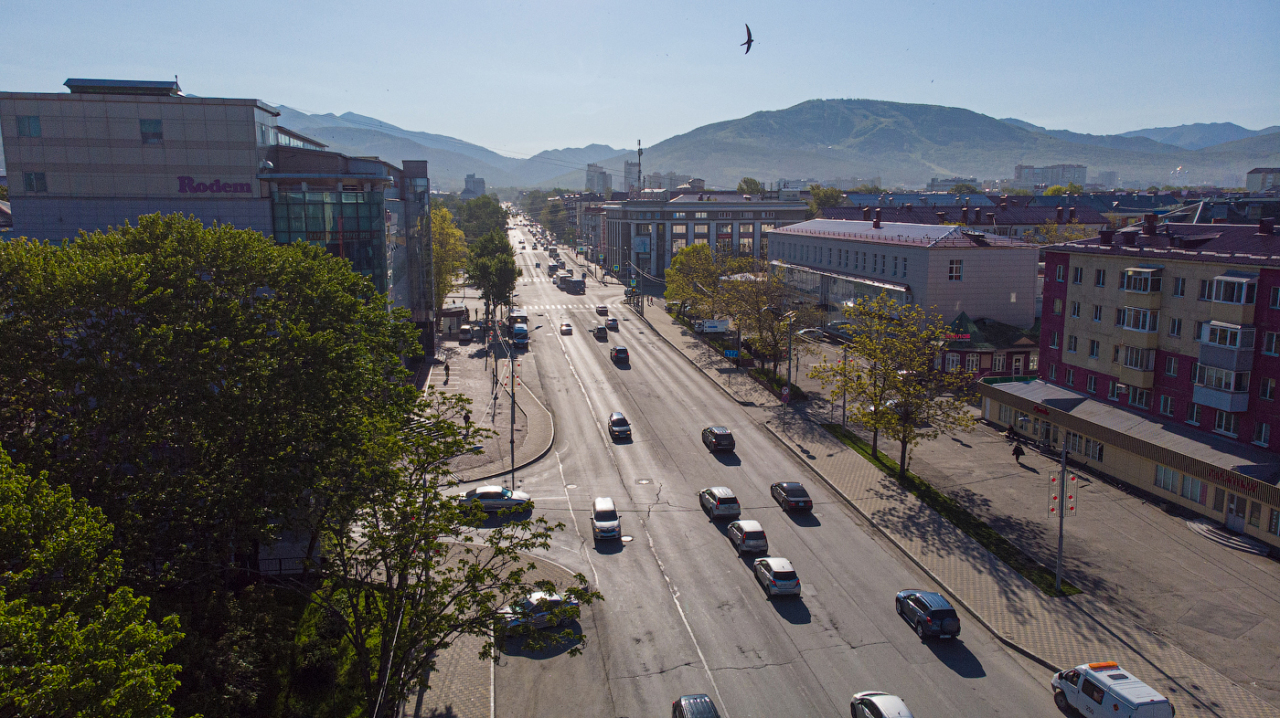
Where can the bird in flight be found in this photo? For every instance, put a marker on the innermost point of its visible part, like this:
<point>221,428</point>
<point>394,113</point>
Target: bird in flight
<point>749,41</point>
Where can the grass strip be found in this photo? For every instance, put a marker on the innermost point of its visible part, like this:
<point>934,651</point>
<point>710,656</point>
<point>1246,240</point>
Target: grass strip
<point>960,517</point>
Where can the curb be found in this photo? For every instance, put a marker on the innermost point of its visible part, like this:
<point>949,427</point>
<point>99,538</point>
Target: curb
<point>545,450</point>
<point>689,359</point>
<point>950,592</point>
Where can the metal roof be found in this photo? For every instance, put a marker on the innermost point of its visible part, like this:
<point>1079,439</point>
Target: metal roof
<point>900,233</point>
<point>124,87</point>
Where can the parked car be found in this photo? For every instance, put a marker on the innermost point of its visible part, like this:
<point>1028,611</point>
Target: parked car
<point>496,498</point>
<point>791,496</point>
<point>698,705</point>
<point>1093,687</point>
<point>814,334</point>
<point>601,309</point>
<point>719,501</point>
<point>748,536</point>
<point>718,438</point>
<point>566,328</point>
<point>777,576</point>
<point>619,355</point>
<point>605,523</point>
<point>930,613</point>
<point>611,323</point>
<point>619,428</point>
<point>874,704</point>
<point>540,610</point>
<point>465,333</point>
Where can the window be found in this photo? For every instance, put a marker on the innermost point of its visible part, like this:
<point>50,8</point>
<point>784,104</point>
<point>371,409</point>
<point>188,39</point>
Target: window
<point>875,263</point>
<point>1115,353</point>
<point>955,271</point>
<point>1119,316</point>
<point>1194,489</point>
<point>1061,273</point>
<point>1179,286</point>
<point>680,229</point>
<point>1053,372</point>
<point>1269,345</point>
<point>1273,526</point>
<point>904,266</point>
<point>953,361</point>
<point>1053,341</point>
<point>1071,376</point>
<point>1261,434</point>
<point>1219,499</point>
<point>1199,326</point>
<point>1166,405</point>
<point>1097,312</point>
<point>895,266</point>
<point>1226,423</point>
<point>1114,391</point>
<point>1229,335</point>
<point>971,362</point>
<point>1234,291</point>
<point>1077,275</point>
<point>1275,297</point>
<point>152,131</point>
<point>1167,479</point>
<point>1032,362</point>
<point>1006,414</point>
<point>1268,389</point>
<point>724,215</point>
<point>1193,414</point>
<point>677,215</point>
<point>1092,691</point>
<point>746,228</point>
<point>997,363</point>
<point>828,256</point>
<point>1141,320</point>
<point>1071,343</point>
<point>701,229</point>
<point>1078,444</point>
<point>34,182</point>
<point>1094,345</point>
<point>28,126</point>
<point>1171,366</point>
<point>1255,513</point>
<point>1091,384</point>
<point>1175,327</point>
<point>699,215</point>
<point>1222,379</point>
<point>1057,307</point>
<point>1205,292</point>
<point>1140,398</point>
<point>1100,278</point>
<point>1140,280</point>
<point>1075,309</point>
<point>768,215</point>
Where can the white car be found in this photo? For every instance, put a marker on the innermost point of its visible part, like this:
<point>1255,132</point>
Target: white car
<point>777,576</point>
<point>719,501</point>
<point>602,309</point>
<point>566,328</point>
<point>538,610</point>
<point>496,498</point>
<point>747,535</point>
<point>874,704</point>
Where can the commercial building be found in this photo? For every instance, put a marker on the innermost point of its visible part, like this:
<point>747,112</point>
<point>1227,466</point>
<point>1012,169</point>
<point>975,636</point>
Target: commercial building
<point>665,180</point>
<point>1009,218</point>
<point>599,181</point>
<point>1109,179</point>
<point>946,269</point>
<point>111,150</point>
<point>630,176</point>
<point>1261,179</point>
<point>1163,341</point>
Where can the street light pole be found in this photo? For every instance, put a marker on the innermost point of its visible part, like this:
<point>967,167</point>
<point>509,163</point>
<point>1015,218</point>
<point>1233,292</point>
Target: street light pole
<point>844,387</point>
<point>1062,515</point>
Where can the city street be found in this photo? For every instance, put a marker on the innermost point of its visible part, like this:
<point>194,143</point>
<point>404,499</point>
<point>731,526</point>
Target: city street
<point>682,613</point>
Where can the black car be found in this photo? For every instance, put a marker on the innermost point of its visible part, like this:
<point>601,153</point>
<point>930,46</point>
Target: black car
<point>618,426</point>
<point>619,355</point>
<point>718,438</point>
<point>928,612</point>
<point>601,332</point>
<point>698,705</point>
<point>791,496</point>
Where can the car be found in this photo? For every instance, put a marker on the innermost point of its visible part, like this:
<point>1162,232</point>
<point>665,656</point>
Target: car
<point>539,609</point>
<point>600,331</point>
<point>875,704</point>
<point>466,333</point>
<point>777,576</point>
<point>618,426</point>
<point>496,498</point>
<point>566,328</point>
<point>748,536</point>
<point>601,309</point>
<point>619,355</point>
<point>929,613</point>
<point>815,334</point>
<point>791,496</point>
<point>698,705</point>
<point>719,501</point>
<point>605,523</point>
<point>718,438</point>
<point>611,323</point>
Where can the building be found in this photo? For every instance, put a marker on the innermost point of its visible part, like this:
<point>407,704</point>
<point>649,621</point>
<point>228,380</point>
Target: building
<point>473,187</point>
<point>599,181</point>
<point>630,176</point>
<point>946,269</point>
<point>1161,343</point>
<point>1261,179</point>
<point>665,180</point>
<point>987,348</point>
<point>644,233</point>
<point>1031,178</point>
<point>110,150</point>
<point>1109,179</point>
<point>1009,218</point>
<point>949,183</point>
<point>802,184</point>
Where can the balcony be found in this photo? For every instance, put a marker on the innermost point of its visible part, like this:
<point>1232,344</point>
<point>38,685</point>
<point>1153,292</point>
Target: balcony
<point>1137,377</point>
<point>1230,401</point>
<point>1142,339</point>
<point>1226,357</point>
<point>1229,313</point>
<point>1142,300</point>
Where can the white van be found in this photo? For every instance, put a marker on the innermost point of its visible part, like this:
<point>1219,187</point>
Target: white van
<point>605,523</point>
<point>1105,689</point>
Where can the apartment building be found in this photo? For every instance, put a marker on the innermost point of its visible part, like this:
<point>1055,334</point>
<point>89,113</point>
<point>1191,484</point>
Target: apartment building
<point>1160,352</point>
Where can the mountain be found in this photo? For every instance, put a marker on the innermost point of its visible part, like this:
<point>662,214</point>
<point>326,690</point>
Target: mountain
<point>1115,142</point>
<point>448,169</point>
<point>1201,134</point>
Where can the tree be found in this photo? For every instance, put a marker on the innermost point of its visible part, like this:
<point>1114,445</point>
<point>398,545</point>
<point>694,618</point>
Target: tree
<point>480,216</point>
<point>1053,233</point>
<point>448,253</point>
<point>823,197</point>
<point>1073,188</point>
<point>965,188</point>
<point>694,280</point>
<point>1055,191</point>
<point>491,266</point>
<point>750,185</point>
<point>411,570</point>
<point>73,644</point>
<point>4,193</point>
<point>866,189</point>
<point>1153,188</point>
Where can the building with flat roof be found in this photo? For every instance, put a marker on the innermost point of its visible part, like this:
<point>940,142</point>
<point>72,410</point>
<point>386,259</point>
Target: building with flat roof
<point>1261,179</point>
<point>1008,218</point>
<point>1030,177</point>
<point>472,187</point>
<point>945,184</point>
<point>598,180</point>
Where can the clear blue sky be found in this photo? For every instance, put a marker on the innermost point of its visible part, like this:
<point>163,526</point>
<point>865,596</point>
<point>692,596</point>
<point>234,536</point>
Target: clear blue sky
<point>520,77</point>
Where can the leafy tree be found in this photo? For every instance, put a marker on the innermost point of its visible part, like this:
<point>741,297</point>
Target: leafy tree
<point>426,569</point>
<point>694,279</point>
<point>867,189</point>
<point>870,383</point>
<point>1073,188</point>
<point>965,188</point>
<point>822,198</point>
<point>750,185</point>
<point>1053,233</point>
<point>1153,188</point>
<point>1055,191</point>
<point>448,253</point>
<point>4,193</point>
<point>491,266</point>
<point>480,216</point>
<point>71,642</point>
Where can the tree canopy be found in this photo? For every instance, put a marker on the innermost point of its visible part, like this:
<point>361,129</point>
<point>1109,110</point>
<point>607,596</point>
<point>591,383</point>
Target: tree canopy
<point>448,253</point>
<point>965,188</point>
<point>491,266</point>
<point>823,197</point>
<point>750,185</point>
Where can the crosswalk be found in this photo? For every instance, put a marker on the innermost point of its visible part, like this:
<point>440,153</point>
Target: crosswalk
<point>537,278</point>
<point>563,306</point>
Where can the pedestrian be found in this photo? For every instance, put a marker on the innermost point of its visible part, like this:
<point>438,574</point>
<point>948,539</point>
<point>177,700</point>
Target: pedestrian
<point>1018,453</point>
<point>466,430</point>
<point>446,372</point>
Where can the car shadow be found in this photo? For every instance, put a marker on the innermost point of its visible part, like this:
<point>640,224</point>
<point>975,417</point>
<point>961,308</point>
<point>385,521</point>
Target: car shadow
<point>957,656</point>
<point>518,646</point>
<point>792,609</point>
<point>623,367</point>
<point>609,547</point>
<point>623,440</point>
<point>728,459</point>
<point>803,519</point>
<point>497,520</point>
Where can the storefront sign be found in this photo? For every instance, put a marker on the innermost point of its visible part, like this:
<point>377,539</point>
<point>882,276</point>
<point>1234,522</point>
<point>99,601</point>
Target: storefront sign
<point>1040,410</point>
<point>1231,481</point>
<point>190,185</point>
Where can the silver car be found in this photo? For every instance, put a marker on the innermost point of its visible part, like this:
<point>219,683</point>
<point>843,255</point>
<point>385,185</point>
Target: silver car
<point>540,610</point>
<point>719,501</point>
<point>748,536</point>
<point>875,704</point>
<point>777,576</point>
<point>496,498</point>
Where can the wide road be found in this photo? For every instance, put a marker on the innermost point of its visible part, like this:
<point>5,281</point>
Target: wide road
<point>682,613</point>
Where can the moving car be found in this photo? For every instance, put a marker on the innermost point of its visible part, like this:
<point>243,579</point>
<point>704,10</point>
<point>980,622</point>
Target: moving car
<point>566,328</point>
<point>465,333</point>
<point>601,309</point>
<point>930,613</point>
<point>618,426</point>
<point>719,501</point>
<point>611,323</point>
<point>698,705</point>
<point>815,334</point>
<point>605,523</point>
<point>600,332</point>
<point>791,496</point>
<point>718,438</point>
<point>747,535</point>
<point>496,498</point>
<point>874,704</point>
<point>711,326</point>
<point>1107,689</point>
<point>619,355</point>
<point>777,576</point>
<point>540,610</point>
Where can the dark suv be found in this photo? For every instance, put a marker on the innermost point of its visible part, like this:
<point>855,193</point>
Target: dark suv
<point>928,612</point>
<point>619,355</point>
<point>718,438</point>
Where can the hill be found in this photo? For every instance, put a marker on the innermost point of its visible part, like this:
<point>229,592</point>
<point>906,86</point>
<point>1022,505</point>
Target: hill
<point>1201,134</point>
<point>1115,142</point>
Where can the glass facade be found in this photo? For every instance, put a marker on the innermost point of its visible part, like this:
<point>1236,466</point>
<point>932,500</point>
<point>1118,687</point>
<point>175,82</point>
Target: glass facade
<point>350,225</point>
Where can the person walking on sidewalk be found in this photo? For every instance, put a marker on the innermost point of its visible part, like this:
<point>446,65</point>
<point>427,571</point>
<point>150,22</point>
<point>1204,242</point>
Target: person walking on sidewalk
<point>1018,453</point>
<point>446,372</point>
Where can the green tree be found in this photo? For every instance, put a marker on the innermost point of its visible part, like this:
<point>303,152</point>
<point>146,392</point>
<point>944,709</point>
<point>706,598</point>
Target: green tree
<point>1073,188</point>
<point>965,188</point>
<point>1153,188</point>
<point>480,216</point>
<point>4,193</point>
<point>750,185</point>
<point>822,198</point>
<point>1020,193</point>
<point>411,570</point>
<point>448,253</point>
<point>1055,191</point>
<point>491,266</point>
<point>694,280</point>
<point>867,189</point>
<point>72,642</point>
<point>1053,233</point>
<point>870,379</point>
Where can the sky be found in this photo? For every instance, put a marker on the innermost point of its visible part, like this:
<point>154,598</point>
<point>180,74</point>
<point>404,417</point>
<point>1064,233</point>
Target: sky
<point>522,77</point>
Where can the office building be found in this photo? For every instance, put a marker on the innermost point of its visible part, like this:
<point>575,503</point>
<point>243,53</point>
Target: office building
<point>630,176</point>
<point>599,181</point>
<point>1010,217</point>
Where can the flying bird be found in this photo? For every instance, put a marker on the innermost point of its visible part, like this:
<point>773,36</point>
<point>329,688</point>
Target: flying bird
<point>749,41</point>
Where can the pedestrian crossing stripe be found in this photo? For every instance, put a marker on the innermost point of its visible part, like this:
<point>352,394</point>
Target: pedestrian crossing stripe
<point>560,306</point>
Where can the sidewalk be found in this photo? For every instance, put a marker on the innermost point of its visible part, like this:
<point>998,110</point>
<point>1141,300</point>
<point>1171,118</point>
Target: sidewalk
<point>1056,632</point>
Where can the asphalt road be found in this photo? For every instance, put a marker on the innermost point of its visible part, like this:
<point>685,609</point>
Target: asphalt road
<point>682,613</point>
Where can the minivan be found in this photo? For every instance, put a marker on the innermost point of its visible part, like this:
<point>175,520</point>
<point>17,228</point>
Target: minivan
<point>605,523</point>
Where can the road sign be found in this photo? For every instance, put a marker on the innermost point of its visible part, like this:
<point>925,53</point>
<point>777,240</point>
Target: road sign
<point>786,393</point>
<point>1073,486</point>
<point>731,353</point>
<point>615,269</point>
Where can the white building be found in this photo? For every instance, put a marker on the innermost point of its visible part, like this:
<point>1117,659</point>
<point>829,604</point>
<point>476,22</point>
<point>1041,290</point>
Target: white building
<point>599,181</point>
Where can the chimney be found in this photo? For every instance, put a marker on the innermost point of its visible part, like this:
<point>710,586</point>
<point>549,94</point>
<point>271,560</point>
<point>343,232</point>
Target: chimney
<point>1149,225</point>
<point>1106,236</point>
<point>1004,206</point>
<point>1013,202</point>
<point>991,217</point>
<point>942,217</point>
<point>1059,215</point>
<point>964,215</point>
<point>908,206</point>
<point>1267,226</point>
<point>1073,214</point>
<point>876,223</point>
<point>866,214</point>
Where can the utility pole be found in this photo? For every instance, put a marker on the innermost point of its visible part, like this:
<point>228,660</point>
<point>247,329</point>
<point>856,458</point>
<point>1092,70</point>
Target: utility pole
<point>1062,517</point>
<point>844,387</point>
<point>512,362</point>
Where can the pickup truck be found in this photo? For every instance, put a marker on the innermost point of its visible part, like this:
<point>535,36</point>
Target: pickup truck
<point>711,326</point>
